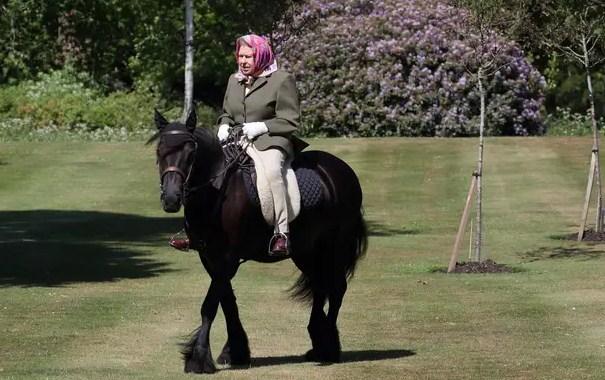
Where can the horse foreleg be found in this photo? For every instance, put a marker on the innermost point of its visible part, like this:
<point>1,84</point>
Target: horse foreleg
<point>197,354</point>
<point>236,350</point>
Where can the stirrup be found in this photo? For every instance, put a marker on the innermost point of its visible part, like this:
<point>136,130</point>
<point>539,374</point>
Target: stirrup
<point>180,241</point>
<point>279,253</point>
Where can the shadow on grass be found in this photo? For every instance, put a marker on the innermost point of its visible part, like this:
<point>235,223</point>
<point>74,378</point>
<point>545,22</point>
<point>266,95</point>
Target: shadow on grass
<point>509,269</point>
<point>58,247</point>
<point>561,236</point>
<point>378,229</point>
<point>545,253</point>
<point>346,357</point>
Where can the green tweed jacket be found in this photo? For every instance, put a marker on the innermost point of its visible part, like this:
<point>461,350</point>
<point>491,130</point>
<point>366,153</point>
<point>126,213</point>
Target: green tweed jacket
<point>272,99</point>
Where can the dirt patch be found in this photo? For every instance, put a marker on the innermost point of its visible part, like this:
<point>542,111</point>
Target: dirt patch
<point>589,235</point>
<point>487,266</point>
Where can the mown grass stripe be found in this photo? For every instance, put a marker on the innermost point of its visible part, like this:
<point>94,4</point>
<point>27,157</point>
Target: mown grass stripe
<point>122,300</point>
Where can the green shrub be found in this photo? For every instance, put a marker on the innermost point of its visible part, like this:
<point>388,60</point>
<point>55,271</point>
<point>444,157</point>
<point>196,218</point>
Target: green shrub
<point>564,122</point>
<point>58,98</point>
<point>70,104</point>
<point>121,110</point>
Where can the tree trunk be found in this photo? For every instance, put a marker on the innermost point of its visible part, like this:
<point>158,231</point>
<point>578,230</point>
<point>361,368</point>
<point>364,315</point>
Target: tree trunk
<point>595,136</point>
<point>188,59</point>
<point>479,229</point>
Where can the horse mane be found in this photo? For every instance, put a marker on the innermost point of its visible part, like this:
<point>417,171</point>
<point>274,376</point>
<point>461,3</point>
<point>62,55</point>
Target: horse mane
<point>208,144</point>
<point>207,138</point>
<point>204,136</point>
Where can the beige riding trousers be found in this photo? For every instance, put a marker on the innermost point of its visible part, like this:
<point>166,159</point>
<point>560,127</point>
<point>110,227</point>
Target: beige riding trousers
<point>273,161</point>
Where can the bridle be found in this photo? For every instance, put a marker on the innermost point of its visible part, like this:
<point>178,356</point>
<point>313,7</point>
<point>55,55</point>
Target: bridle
<point>234,154</point>
<point>175,169</point>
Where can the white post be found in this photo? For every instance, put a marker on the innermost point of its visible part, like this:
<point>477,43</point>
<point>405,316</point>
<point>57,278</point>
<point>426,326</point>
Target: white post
<point>188,103</point>
<point>595,138</point>
<point>479,229</point>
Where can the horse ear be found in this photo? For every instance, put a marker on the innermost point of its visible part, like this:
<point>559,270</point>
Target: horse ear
<point>191,119</point>
<point>160,121</point>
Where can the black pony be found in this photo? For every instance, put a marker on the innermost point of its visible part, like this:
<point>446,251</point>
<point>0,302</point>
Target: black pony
<point>227,229</point>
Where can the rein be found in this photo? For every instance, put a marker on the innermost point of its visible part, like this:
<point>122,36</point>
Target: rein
<point>234,154</point>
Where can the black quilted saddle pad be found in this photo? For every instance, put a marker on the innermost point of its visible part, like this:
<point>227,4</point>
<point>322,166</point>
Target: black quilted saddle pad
<point>309,183</point>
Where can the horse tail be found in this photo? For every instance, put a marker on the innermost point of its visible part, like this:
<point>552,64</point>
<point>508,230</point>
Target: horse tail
<point>302,289</point>
<point>358,250</point>
<point>350,247</point>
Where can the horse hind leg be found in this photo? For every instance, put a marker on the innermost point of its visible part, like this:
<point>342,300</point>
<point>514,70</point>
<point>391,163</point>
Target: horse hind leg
<point>331,278</point>
<point>317,328</point>
<point>340,255</point>
<point>335,301</point>
<point>323,329</point>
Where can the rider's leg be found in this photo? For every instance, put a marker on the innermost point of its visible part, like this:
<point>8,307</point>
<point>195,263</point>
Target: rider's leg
<point>273,161</point>
<point>273,164</point>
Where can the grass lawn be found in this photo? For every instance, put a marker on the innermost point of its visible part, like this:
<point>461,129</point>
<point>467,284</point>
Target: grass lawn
<point>90,290</point>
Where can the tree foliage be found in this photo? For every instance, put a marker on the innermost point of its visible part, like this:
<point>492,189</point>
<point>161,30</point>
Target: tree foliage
<point>557,20</point>
<point>25,44</point>
<point>575,30</point>
<point>367,68</point>
<point>122,44</point>
<point>128,45</point>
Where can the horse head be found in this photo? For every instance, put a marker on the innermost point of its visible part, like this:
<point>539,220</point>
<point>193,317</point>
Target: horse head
<point>176,152</point>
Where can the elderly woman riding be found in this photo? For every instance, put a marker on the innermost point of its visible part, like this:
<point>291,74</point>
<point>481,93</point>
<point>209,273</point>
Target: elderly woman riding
<point>264,100</point>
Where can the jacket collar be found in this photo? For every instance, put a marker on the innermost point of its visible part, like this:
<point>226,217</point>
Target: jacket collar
<point>258,83</point>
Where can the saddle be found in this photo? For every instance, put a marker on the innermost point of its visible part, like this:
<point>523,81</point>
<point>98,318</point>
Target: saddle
<point>305,189</point>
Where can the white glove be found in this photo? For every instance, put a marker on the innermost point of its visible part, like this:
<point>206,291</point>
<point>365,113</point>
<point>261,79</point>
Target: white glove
<point>223,132</point>
<point>252,130</point>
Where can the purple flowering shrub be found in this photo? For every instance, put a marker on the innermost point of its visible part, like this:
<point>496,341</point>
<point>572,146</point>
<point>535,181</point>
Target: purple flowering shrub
<point>401,68</point>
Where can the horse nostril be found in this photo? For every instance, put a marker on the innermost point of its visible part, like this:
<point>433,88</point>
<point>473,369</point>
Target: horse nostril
<point>171,204</point>
<point>172,196</point>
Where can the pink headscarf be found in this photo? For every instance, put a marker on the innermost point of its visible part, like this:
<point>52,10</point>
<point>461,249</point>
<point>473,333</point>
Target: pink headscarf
<point>264,60</point>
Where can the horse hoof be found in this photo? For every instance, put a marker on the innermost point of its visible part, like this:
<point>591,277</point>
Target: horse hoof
<point>234,358</point>
<point>325,357</point>
<point>224,358</point>
<point>196,368</point>
<point>203,366</point>
<point>310,356</point>
<point>227,360</point>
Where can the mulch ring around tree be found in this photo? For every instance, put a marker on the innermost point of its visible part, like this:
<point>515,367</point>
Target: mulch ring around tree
<point>487,266</point>
<point>589,235</point>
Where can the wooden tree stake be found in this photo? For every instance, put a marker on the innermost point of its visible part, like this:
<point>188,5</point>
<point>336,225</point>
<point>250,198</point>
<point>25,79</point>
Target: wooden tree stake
<point>463,223</point>
<point>591,173</point>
